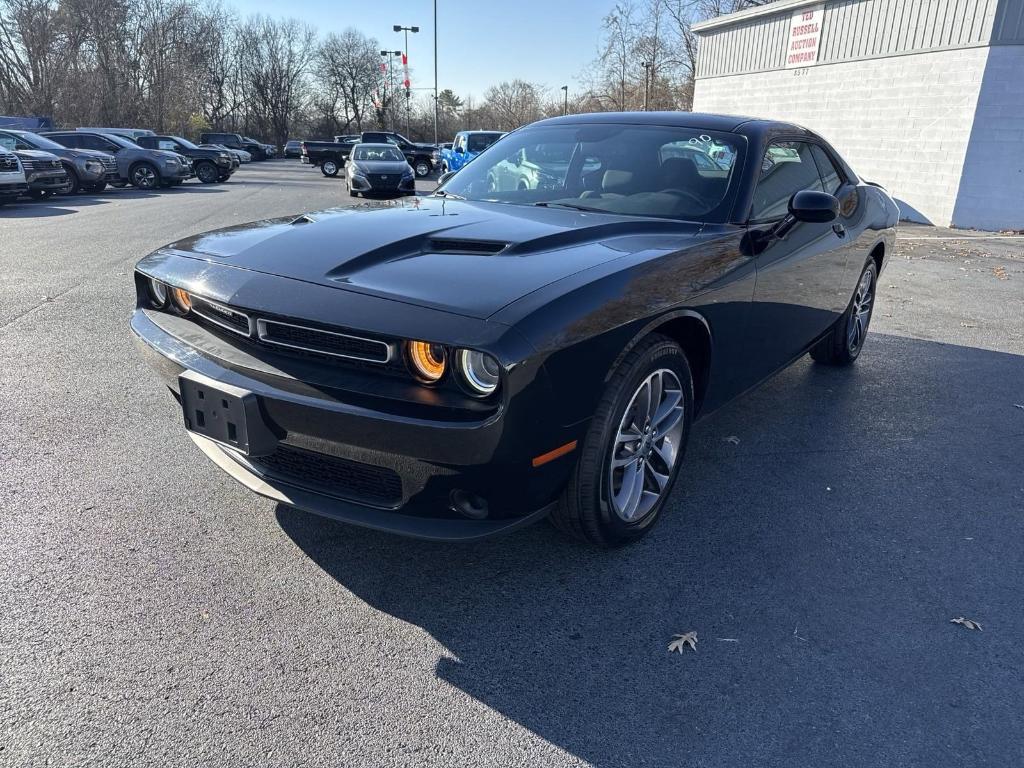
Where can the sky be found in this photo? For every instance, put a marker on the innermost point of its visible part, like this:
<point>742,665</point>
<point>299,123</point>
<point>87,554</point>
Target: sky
<point>480,42</point>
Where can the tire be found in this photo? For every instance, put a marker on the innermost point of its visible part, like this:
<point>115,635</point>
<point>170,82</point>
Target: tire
<point>422,167</point>
<point>144,176</point>
<point>329,168</point>
<point>99,186</point>
<point>844,342</point>
<point>73,180</point>
<point>39,194</point>
<point>589,509</point>
<point>207,173</point>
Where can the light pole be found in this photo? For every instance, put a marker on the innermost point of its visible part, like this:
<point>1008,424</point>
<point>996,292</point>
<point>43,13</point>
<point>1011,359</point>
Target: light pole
<point>405,61</point>
<point>647,83</point>
<point>389,73</point>
<point>435,73</point>
<point>565,102</point>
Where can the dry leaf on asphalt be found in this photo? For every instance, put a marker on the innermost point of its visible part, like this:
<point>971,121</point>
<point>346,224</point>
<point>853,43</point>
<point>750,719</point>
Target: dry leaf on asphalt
<point>680,641</point>
<point>1019,405</point>
<point>969,623</point>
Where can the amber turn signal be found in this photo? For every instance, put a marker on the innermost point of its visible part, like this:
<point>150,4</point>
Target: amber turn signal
<point>182,299</point>
<point>428,361</point>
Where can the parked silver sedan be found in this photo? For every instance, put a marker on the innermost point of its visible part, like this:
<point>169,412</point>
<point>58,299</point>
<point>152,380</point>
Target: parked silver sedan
<point>379,168</point>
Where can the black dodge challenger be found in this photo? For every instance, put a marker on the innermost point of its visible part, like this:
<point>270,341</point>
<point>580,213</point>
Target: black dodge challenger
<point>533,339</point>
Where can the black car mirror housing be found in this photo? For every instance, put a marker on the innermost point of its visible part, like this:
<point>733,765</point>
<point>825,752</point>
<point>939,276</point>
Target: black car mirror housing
<point>815,207</point>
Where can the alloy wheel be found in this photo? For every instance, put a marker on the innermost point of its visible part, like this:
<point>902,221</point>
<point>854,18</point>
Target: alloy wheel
<point>646,446</point>
<point>208,174</point>
<point>422,169</point>
<point>330,168</point>
<point>860,316</point>
<point>144,177</point>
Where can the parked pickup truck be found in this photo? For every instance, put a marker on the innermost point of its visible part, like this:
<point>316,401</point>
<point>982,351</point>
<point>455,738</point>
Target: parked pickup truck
<point>329,156</point>
<point>257,149</point>
<point>210,165</point>
<point>12,177</point>
<point>467,145</point>
<point>87,169</point>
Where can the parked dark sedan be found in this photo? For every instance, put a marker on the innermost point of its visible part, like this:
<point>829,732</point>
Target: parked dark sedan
<point>462,364</point>
<point>379,168</point>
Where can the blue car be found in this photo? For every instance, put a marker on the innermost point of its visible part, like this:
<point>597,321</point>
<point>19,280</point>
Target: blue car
<point>467,145</point>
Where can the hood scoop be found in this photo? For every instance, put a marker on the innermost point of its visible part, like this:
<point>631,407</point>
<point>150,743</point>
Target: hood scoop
<point>473,247</point>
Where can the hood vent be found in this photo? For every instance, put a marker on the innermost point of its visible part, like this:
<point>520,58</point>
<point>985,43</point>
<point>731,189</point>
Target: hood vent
<point>476,247</point>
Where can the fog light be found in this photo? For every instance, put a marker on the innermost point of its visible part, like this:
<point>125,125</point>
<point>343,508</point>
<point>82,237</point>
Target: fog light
<point>157,293</point>
<point>469,504</point>
<point>181,299</point>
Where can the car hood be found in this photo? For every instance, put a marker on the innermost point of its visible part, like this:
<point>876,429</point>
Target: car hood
<point>85,153</point>
<point>381,166</point>
<point>466,258</point>
<point>36,154</point>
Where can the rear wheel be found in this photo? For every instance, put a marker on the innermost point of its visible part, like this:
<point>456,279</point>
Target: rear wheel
<point>422,167</point>
<point>843,344</point>
<point>329,168</point>
<point>632,452</point>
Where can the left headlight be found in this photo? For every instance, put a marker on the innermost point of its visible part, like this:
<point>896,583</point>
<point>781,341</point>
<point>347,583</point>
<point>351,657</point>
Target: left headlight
<point>479,371</point>
<point>94,166</point>
<point>170,161</point>
<point>157,293</point>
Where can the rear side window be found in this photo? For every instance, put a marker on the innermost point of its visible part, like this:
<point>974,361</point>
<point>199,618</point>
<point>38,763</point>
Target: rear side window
<point>168,145</point>
<point>787,167</point>
<point>831,178</point>
<point>68,140</point>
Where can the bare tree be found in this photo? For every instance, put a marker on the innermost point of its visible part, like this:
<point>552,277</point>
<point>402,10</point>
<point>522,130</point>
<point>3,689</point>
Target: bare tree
<point>515,103</point>
<point>348,65</point>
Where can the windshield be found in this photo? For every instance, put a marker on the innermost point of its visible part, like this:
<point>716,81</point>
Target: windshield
<point>184,142</point>
<point>364,152</point>
<point>478,142</point>
<point>634,170</point>
<point>40,142</point>
<point>121,141</point>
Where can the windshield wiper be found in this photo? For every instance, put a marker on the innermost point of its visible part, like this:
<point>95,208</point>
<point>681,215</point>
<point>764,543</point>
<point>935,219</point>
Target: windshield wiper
<point>452,195</point>
<point>571,206</point>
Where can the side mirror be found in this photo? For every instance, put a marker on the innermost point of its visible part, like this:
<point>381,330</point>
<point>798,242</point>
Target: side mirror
<point>815,207</point>
<point>460,150</point>
<point>444,177</point>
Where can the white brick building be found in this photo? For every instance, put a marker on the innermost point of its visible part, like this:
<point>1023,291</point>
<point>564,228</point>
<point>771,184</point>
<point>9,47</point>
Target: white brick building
<point>925,97</point>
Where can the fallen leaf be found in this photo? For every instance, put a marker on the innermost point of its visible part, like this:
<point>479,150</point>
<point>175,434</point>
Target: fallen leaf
<point>732,439</point>
<point>969,623</point>
<point>1000,272</point>
<point>1019,405</point>
<point>680,641</point>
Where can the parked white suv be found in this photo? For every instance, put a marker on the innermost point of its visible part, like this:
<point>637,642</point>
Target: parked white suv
<point>12,177</point>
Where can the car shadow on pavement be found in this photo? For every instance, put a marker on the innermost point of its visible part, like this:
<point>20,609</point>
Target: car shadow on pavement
<point>824,531</point>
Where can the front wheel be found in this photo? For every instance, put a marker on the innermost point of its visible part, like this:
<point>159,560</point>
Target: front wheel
<point>631,454</point>
<point>74,183</point>
<point>843,344</point>
<point>329,168</point>
<point>145,176</point>
<point>207,173</point>
<point>422,168</point>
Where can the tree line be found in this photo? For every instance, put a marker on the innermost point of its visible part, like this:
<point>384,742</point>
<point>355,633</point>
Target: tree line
<point>186,66</point>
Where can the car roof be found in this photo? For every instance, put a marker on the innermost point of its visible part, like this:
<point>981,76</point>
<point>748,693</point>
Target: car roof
<point>700,120</point>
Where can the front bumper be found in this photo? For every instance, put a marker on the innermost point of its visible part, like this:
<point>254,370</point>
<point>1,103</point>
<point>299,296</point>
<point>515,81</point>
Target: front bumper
<point>372,184</point>
<point>49,182</point>
<point>433,458</point>
<point>10,191</point>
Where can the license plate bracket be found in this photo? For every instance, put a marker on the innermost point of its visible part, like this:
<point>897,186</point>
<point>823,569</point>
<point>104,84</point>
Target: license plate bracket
<point>224,413</point>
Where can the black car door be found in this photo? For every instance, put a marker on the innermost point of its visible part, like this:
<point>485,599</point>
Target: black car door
<point>800,274</point>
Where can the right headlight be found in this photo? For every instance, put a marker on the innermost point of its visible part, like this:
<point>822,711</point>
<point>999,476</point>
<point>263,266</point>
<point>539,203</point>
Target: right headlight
<point>157,293</point>
<point>94,166</point>
<point>479,371</point>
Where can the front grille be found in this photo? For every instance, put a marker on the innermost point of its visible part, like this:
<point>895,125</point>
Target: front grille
<point>384,180</point>
<point>337,476</point>
<point>322,342</point>
<point>223,316</point>
<point>109,164</point>
<point>8,163</point>
<point>41,165</point>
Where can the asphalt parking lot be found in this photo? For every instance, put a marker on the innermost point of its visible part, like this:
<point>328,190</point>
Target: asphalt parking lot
<point>824,531</point>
